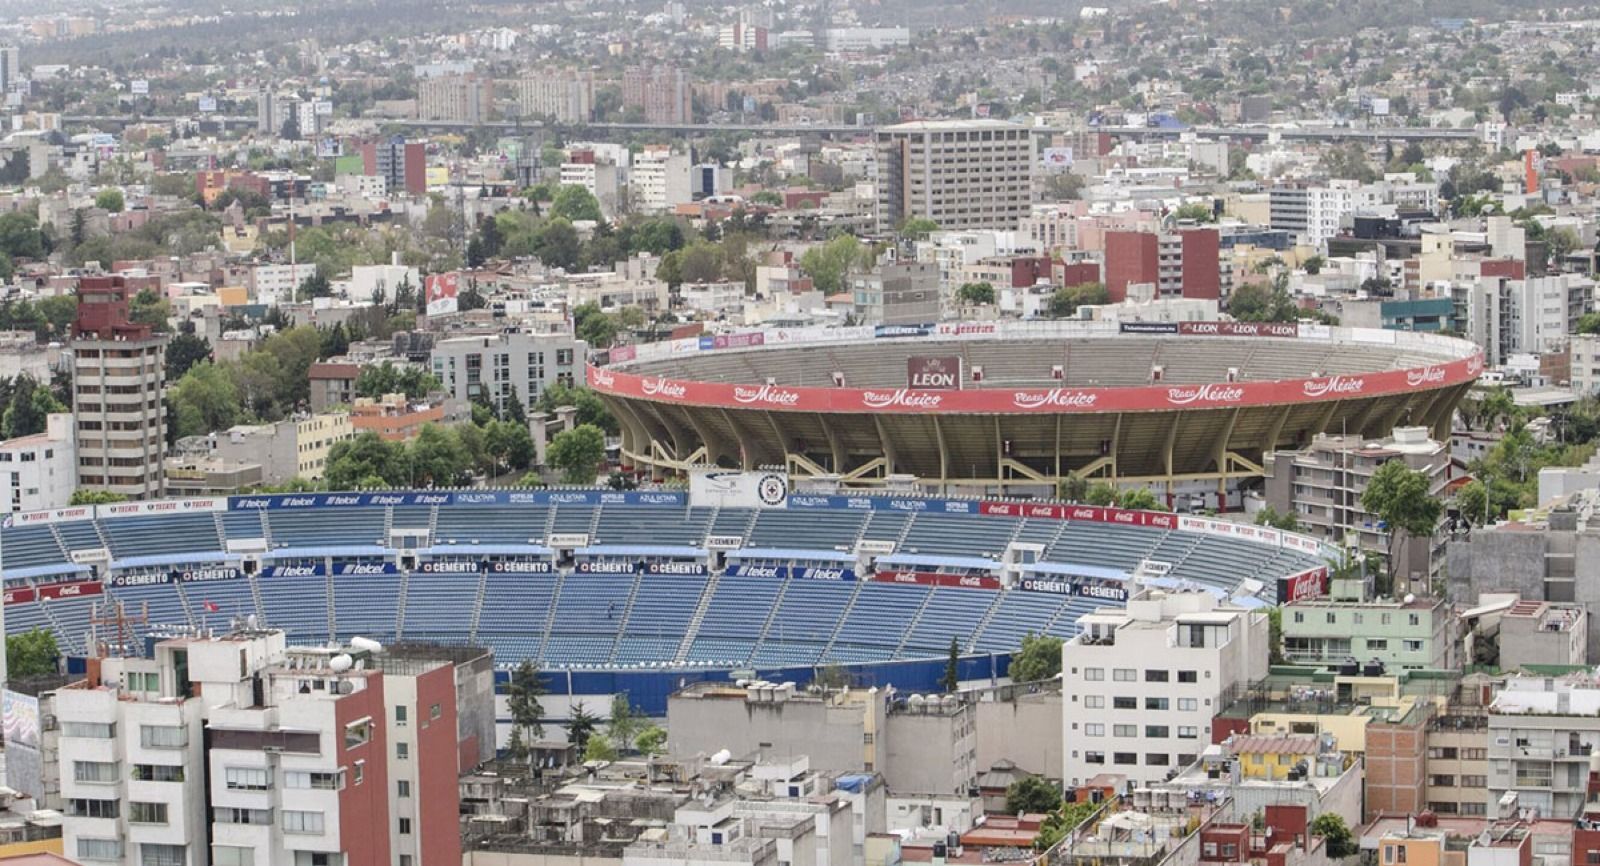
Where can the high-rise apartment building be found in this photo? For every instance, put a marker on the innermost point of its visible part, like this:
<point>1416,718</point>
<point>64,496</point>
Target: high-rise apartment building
<point>1177,264</point>
<point>459,98</point>
<point>659,180</point>
<point>662,92</point>
<point>962,174</point>
<point>1149,677</point>
<point>402,164</point>
<point>565,95</point>
<point>291,757</point>
<point>118,372</point>
<point>495,365</point>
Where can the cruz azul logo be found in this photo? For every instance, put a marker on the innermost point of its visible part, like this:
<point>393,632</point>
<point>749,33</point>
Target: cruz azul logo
<point>903,397</point>
<point>662,387</point>
<point>1055,398</point>
<point>769,395</point>
<point>1209,393</point>
<point>1424,376</point>
<point>603,378</point>
<point>1333,385</point>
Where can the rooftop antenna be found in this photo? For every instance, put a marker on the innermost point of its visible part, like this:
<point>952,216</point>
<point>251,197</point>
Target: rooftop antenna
<point>122,627</point>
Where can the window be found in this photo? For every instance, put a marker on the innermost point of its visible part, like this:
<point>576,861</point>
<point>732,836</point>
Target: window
<point>317,858</point>
<point>1094,757</point>
<point>318,781</point>
<point>82,807</point>
<point>1126,758</point>
<point>1188,705</point>
<point>1125,703</point>
<point>1374,643</point>
<point>147,813</point>
<point>89,730</point>
<point>140,682</point>
<point>1442,781</point>
<point>400,715</point>
<point>1155,731</point>
<point>402,751</point>
<point>232,855</point>
<point>1094,674</point>
<point>1333,618</point>
<point>357,733</point>
<point>1299,616</point>
<point>234,815</point>
<point>1124,730</point>
<point>162,855</point>
<point>1187,677</point>
<point>1094,702</point>
<point>402,788</point>
<point>435,712</point>
<point>157,773</point>
<point>1155,676</point>
<point>99,849</point>
<point>1414,619</point>
<point>405,826</point>
<point>360,771</point>
<point>302,822</point>
<point>95,772</point>
<point>1123,675</point>
<point>248,779</point>
<point>1156,759</point>
<point>163,736</point>
<point>1188,732</point>
<point>1156,703</point>
<point>405,860</point>
<point>1474,781</point>
<point>1412,646</point>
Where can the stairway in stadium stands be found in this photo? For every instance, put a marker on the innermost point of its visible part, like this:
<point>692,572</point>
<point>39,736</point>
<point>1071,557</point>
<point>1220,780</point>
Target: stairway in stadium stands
<point>772,615</point>
<point>844,614</point>
<point>911,624</point>
<point>627,616</point>
<point>983,623</point>
<point>550,615</point>
<point>693,628</point>
<point>477,608</point>
<point>400,604</point>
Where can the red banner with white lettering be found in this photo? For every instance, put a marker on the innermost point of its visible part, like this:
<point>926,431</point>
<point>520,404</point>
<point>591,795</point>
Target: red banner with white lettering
<point>933,578</point>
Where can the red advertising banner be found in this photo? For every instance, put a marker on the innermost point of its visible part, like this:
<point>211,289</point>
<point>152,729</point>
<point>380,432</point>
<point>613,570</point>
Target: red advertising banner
<point>934,373</point>
<point>70,590</point>
<point>1007,401</point>
<point>931,578</point>
<point>1311,583</point>
<point>20,595</point>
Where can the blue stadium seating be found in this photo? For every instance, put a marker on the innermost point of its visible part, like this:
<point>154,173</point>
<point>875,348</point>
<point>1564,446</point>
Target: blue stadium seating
<point>29,546</point>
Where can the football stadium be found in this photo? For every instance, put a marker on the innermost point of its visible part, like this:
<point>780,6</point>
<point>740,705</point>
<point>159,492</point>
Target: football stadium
<point>642,591</point>
<point>1013,407</point>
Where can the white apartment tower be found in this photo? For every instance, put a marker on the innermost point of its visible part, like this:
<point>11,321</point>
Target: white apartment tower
<point>1147,679</point>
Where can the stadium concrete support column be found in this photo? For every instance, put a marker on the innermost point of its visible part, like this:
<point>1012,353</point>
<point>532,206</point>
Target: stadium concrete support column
<point>1270,444</point>
<point>944,452</point>
<point>887,446</point>
<point>1327,418</point>
<point>1220,451</point>
<point>674,430</point>
<point>1166,453</point>
<point>747,460</point>
<point>834,446</point>
<point>715,446</point>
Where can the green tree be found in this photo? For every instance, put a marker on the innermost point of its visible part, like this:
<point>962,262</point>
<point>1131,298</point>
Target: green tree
<point>436,457</point>
<point>1032,795</point>
<point>149,308</point>
<point>205,400</point>
<point>1275,636</point>
<point>556,243</point>
<point>29,409</point>
<point>625,724</point>
<point>85,496</point>
<point>952,667</point>
<point>574,203</point>
<point>918,228</point>
<point>109,200</point>
<point>32,653</point>
<point>1039,658</point>
<point>1060,823</point>
<point>599,749</point>
<point>591,409</point>
<point>314,286</point>
<point>1195,212</point>
<point>1314,264</point>
<point>1399,496</point>
<point>1140,499</point>
<point>1336,835</point>
<point>976,293</point>
<point>1286,520</point>
<point>1072,488</point>
<point>20,237</point>
<point>593,326</point>
<point>830,263</point>
<point>185,351</point>
<point>651,741</point>
<point>522,700</point>
<point>1100,493</point>
<point>669,269</point>
<point>364,457</point>
<point>578,453</point>
<point>1066,300</point>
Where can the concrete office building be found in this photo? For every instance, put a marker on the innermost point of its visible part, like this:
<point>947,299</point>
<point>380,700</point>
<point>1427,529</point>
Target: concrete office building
<point>564,95</point>
<point>1149,678</point>
<point>659,180</point>
<point>1400,635</point>
<point>292,757</point>
<point>1543,633</point>
<point>921,745</point>
<point>39,471</point>
<point>1322,486</point>
<point>663,93</point>
<point>118,372</point>
<point>1553,556</point>
<point>962,174</point>
<point>459,98</point>
<point>496,365</point>
<point>293,448</point>
<point>1542,731</point>
<point>898,293</point>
